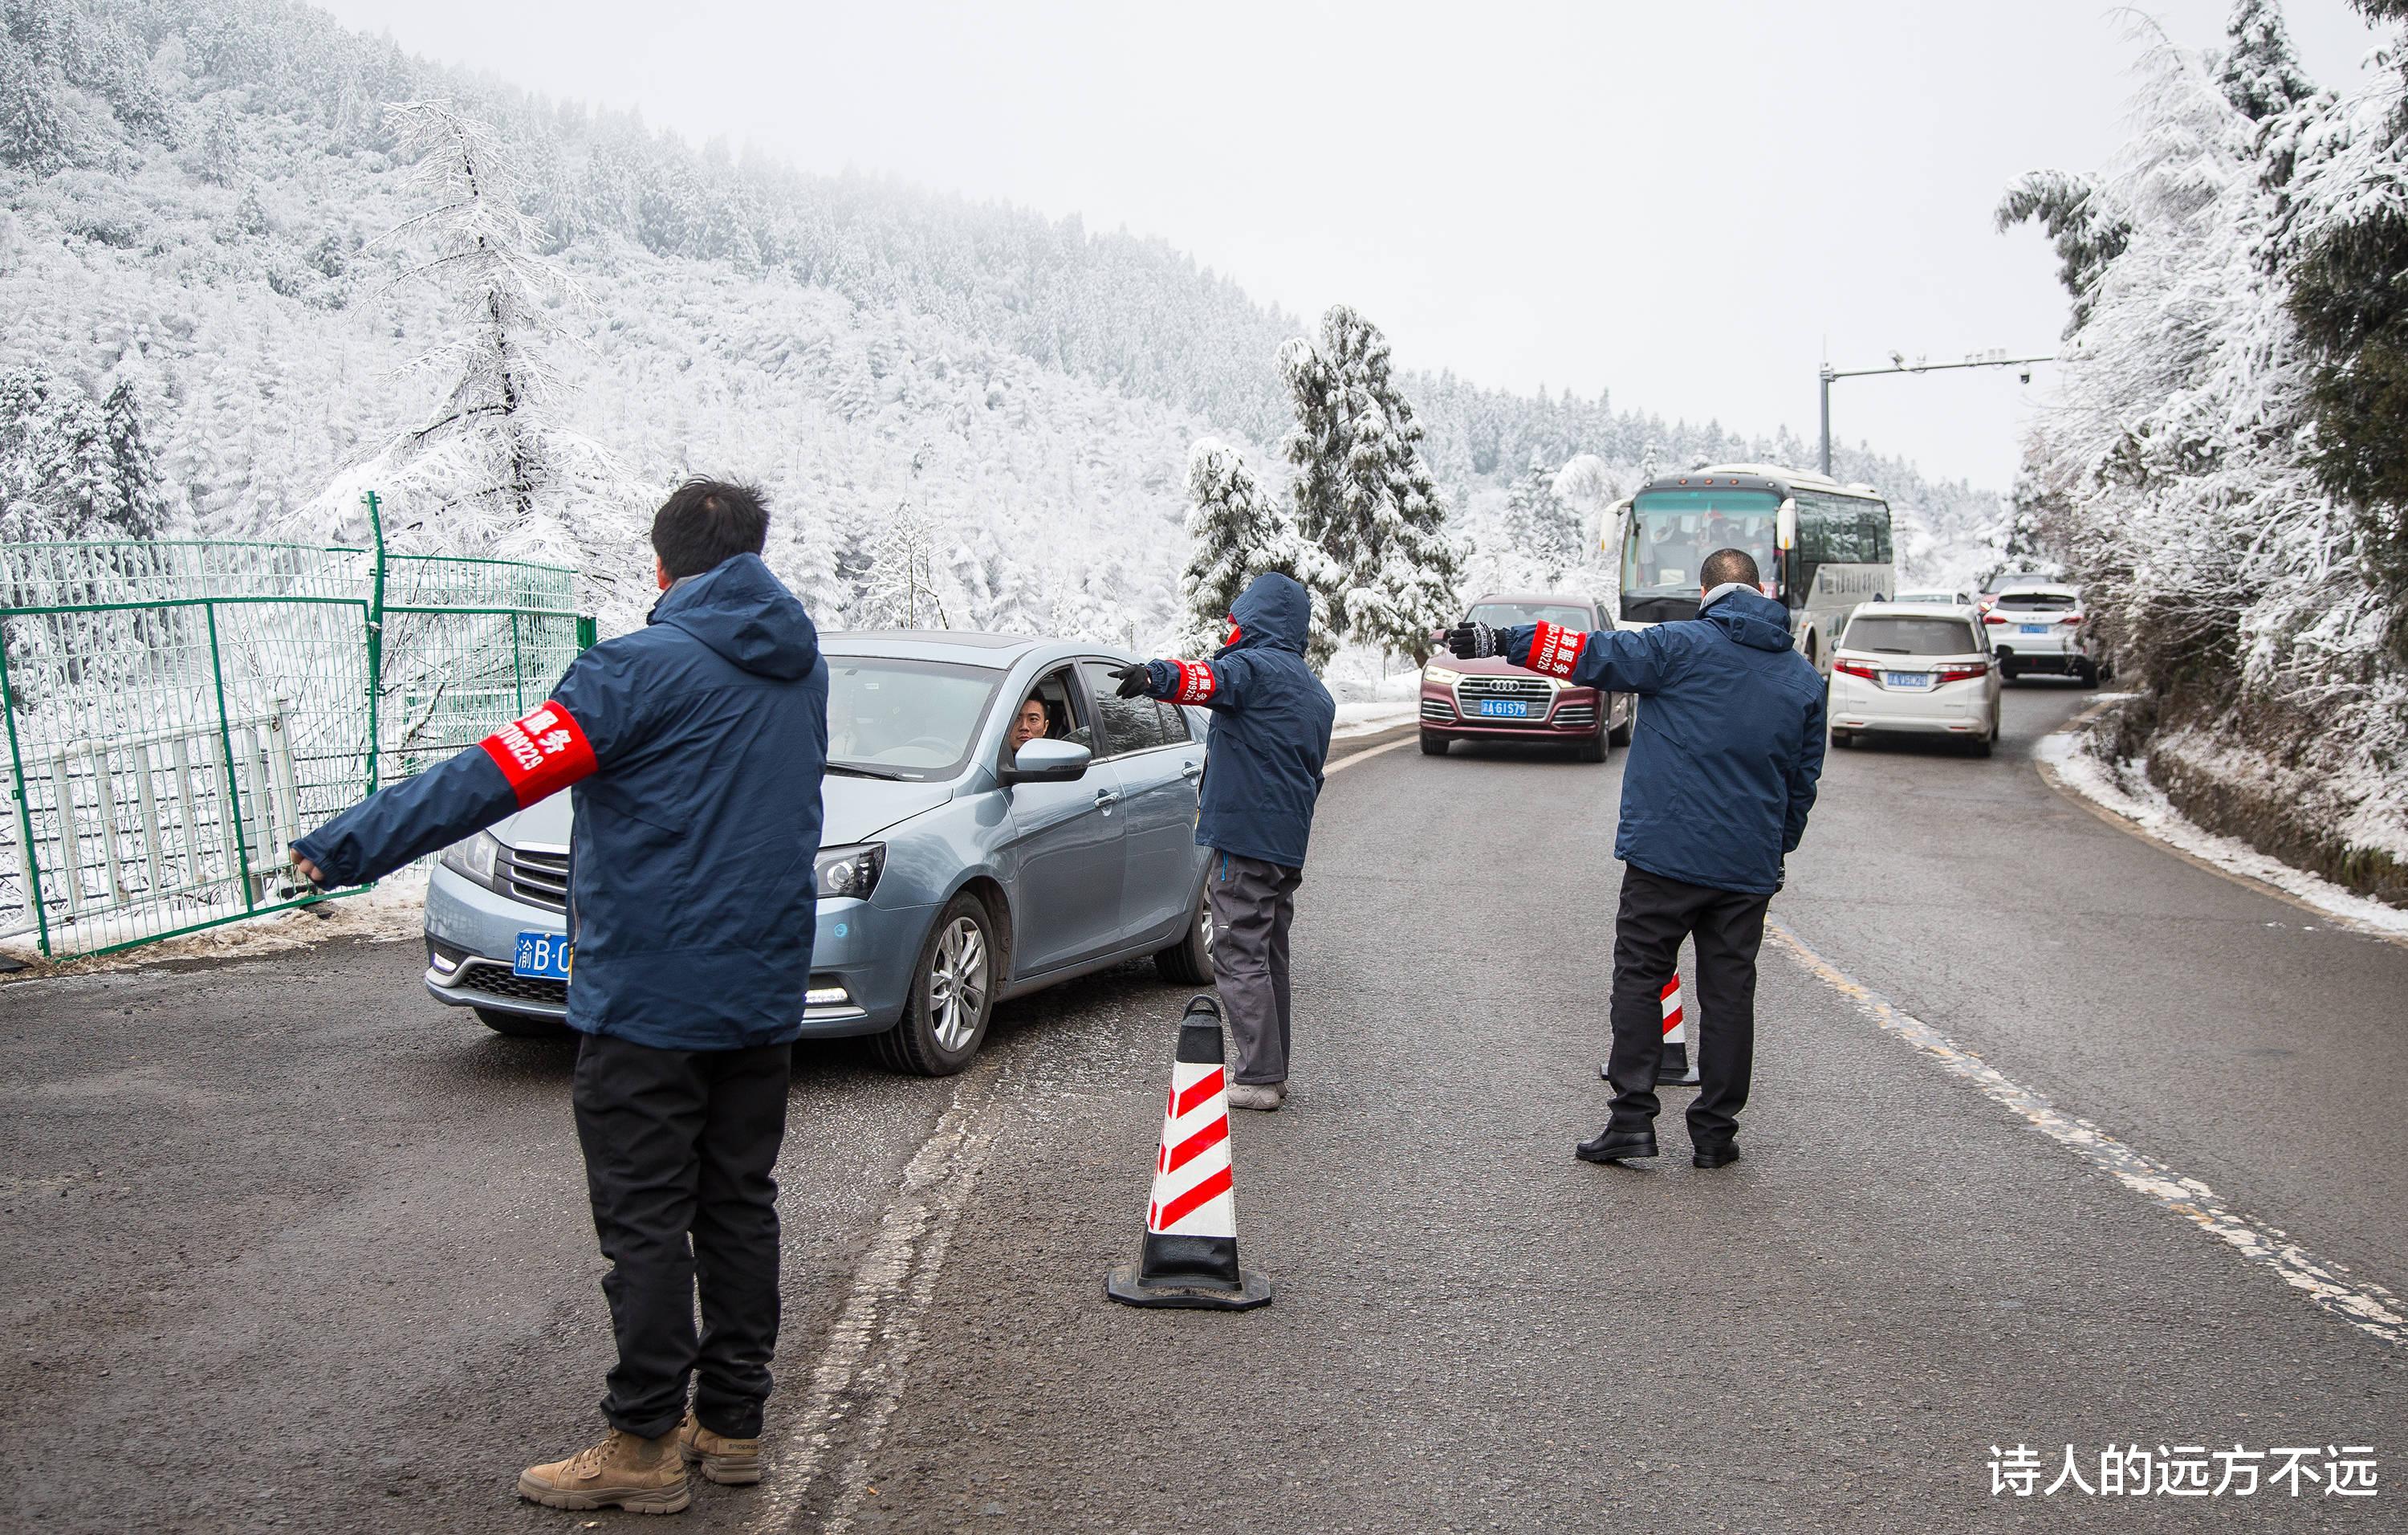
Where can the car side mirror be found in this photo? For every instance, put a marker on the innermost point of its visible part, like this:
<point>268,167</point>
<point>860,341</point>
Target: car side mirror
<point>1785,525</point>
<point>1048,761</point>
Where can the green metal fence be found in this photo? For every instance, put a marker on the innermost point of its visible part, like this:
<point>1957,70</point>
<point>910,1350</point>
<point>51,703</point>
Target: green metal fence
<point>178,712</point>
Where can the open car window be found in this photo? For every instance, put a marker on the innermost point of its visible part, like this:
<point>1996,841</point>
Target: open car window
<point>1127,725</point>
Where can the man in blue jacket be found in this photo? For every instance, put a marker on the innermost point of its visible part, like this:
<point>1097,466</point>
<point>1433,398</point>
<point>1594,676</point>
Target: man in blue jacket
<point>1714,796</point>
<point>693,749</point>
<point>1270,736</point>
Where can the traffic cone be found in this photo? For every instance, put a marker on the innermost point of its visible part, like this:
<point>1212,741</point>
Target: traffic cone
<point>1190,1257</point>
<point>1674,1069</point>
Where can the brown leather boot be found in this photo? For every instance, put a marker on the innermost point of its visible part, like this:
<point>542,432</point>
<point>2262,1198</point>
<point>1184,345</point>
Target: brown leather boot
<point>640,1475</point>
<point>730,1462</point>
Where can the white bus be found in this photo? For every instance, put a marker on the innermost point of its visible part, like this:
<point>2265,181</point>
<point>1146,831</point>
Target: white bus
<point>1822,547</point>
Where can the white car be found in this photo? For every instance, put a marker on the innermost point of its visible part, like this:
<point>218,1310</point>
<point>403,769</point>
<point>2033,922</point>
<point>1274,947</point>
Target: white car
<point>2037,627</point>
<point>1915,669</point>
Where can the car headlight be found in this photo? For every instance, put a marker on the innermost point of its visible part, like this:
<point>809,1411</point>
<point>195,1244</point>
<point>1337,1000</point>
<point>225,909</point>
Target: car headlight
<point>851,871</point>
<point>1442,675</point>
<point>472,859</point>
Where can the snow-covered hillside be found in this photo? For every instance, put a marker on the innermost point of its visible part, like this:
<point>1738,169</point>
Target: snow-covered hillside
<point>203,199</point>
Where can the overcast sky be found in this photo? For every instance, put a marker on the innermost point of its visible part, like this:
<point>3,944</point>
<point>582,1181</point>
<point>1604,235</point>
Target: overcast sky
<point>1679,202</point>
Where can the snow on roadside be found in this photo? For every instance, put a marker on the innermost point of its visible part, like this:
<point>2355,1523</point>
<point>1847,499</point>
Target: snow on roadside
<point>2125,790</point>
<point>1375,714</point>
<point>392,912</point>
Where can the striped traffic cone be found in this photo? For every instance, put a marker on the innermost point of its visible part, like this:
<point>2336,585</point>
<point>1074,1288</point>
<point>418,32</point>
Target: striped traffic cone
<point>1674,1069</point>
<point>1190,1257</point>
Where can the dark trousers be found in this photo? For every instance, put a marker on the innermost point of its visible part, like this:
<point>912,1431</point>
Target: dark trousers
<point>1657,914</point>
<point>678,1147</point>
<point>1252,905</point>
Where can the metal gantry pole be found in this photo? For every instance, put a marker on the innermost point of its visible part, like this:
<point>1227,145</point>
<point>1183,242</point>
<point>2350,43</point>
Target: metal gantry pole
<point>1827,373</point>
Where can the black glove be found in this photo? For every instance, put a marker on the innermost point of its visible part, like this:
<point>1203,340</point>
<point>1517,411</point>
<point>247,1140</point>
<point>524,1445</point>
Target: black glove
<point>1474,641</point>
<point>1136,681</point>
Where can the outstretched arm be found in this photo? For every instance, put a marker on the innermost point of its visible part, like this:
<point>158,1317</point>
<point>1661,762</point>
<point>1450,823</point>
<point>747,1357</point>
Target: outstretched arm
<point>1614,660</point>
<point>1214,684</point>
<point>1805,776</point>
<point>586,721</point>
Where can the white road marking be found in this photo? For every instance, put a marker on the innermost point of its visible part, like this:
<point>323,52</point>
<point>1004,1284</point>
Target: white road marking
<point>862,1367</point>
<point>1344,763</point>
<point>2370,1308</point>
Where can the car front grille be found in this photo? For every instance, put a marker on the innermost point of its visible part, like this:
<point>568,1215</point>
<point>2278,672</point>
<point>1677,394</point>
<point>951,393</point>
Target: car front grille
<point>536,878</point>
<point>1532,689</point>
<point>1437,709</point>
<point>1536,692</point>
<point>494,980</point>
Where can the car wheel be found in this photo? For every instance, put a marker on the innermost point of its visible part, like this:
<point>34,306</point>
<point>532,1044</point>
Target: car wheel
<point>1189,961</point>
<point>2089,674</point>
<point>2007,673</point>
<point>1979,748</point>
<point>1433,746</point>
<point>1843,738</point>
<point>1620,735</point>
<point>522,1025</point>
<point>952,993</point>
<point>1592,748</point>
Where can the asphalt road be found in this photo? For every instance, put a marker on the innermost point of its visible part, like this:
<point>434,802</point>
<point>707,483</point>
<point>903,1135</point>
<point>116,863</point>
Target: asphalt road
<point>283,1244</point>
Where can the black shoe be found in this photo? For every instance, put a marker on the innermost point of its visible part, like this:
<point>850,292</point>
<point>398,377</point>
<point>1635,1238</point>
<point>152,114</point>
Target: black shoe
<point>1715,1157</point>
<point>1614,1145</point>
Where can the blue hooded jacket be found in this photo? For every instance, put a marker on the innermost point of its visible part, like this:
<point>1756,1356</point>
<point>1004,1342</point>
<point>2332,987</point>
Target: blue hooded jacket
<point>1272,718</point>
<point>695,748</point>
<point>1730,745</point>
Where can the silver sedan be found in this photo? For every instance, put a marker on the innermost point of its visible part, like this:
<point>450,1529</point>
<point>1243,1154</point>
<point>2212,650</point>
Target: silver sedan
<point>956,868</point>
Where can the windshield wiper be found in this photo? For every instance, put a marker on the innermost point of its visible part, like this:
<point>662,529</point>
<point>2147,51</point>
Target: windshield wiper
<point>860,770</point>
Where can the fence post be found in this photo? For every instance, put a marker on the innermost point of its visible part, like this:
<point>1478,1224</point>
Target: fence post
<point>70,833</point>
<point>233,814</point>
<point>375,630</point>
<point>103,795</point>
<point>192,812</point>
<point>153,863</point>
<point>588,629</point>
<point>24,805</point>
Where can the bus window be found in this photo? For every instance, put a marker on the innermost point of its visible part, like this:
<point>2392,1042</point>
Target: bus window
<point>1672,533</point>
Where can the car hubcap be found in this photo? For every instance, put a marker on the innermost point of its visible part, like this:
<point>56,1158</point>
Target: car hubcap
<point>957,984</point>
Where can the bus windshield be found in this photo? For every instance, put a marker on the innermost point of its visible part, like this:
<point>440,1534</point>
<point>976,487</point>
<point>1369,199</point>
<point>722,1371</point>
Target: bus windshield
<point>1672,533</point>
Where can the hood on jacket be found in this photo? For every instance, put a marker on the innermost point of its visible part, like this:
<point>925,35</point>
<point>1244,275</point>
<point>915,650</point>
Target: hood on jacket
<point>746,614</point>
<point>1272,610</point>
<point>1751,618</point>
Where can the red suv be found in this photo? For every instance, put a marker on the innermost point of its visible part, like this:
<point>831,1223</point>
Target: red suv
<point>1491,700</point>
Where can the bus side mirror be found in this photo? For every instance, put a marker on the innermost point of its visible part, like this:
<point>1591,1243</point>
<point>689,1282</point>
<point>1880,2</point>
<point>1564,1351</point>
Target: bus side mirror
<point>1785,525</point>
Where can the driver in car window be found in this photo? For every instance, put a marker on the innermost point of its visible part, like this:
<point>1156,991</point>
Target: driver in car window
<point>1031,725</point>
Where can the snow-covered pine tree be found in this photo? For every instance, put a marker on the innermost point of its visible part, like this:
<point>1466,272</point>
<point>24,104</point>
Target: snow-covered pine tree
<point>1316,448</point>
<point>1234,532</point>
<point>484,252</point>
<point>902,583</point>
<point>217,156</point>
<point>1541,527</point>
<point>1402,587</point>
<point>141,503</point>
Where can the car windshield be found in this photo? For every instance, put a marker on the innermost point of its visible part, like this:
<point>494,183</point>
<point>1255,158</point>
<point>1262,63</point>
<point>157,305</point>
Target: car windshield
<point>1883,634</point>
<point>2040,601</point>
<point>894,718</point>
<point>1504,615</point>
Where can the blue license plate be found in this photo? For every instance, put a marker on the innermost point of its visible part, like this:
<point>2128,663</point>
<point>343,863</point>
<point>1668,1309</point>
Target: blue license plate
<point>1907,679</point>
<point>1508,708</point>
<point>2033,628</point>
<point>542,954</point>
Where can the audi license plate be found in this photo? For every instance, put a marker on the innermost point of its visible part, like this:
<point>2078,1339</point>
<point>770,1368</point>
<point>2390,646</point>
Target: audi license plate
<point>1907,679</point>
<point>2033,628</point>
<point>542,954</point>
<point>1507,709</point>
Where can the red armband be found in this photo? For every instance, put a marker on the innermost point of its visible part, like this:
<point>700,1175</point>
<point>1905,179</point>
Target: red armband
<point>1555,649</point>
<point>1196,683</point>
<point>541,753</point>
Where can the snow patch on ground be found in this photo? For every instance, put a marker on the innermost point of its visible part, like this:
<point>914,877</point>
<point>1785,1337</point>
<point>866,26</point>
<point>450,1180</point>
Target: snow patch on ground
<point>392,912</point>
<point>1363,719</point>
<point>2124,789</point>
